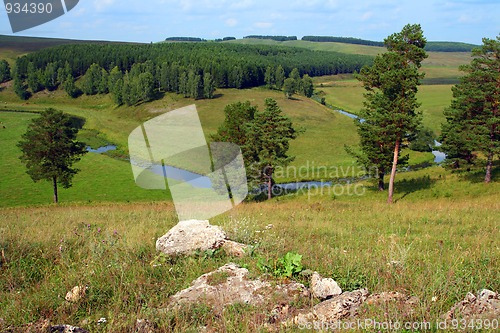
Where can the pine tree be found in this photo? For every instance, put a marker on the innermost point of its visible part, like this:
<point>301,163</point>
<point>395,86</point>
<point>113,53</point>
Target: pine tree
<point>390,107</point>
<point>33,79</point>
<point>307,86</point>
<point>92,80</point>
<point>50,76</point>
<point>5,74</point>
<point>269,77</point>
<point>70,87</point>
<point>264,138</point>
<point>279,77</point>
<point>289,87</point>
<point>208,85</point>
<point>268,141</point>
<point>49,149</point>
<point>473,119</point>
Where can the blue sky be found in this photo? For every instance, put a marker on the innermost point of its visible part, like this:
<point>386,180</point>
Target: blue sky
<point>154,20</point>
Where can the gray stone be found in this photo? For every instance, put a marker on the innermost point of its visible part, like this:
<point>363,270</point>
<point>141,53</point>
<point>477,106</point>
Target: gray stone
<point>144,326</point>
<point>76,294</point>
<point>324,288</point>
<point>67,329</point>
<point>234,249</point>
<point>190,236</point>
<point>484,305</point>
<point>230,284</point>
<point>341,307</point>
<point>227,285</point>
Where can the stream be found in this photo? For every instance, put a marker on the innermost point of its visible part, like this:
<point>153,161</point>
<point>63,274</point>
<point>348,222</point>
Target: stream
<point>438,156</point>
<point>202,181</point>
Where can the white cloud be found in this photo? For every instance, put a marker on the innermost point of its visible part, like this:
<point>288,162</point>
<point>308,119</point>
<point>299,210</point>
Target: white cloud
<point>100,5</point>
<point>243,4</point>
<point>263,25</point>
<point>366,16</point>
<point>231,22</point>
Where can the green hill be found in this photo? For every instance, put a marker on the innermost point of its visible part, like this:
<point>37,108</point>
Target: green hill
<point>320,147</point>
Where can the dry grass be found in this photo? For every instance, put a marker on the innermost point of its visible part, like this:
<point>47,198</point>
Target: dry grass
<point>439,240</point>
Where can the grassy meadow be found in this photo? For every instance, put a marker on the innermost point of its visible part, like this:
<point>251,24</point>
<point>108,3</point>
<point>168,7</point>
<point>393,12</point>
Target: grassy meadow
<point>437,242</point>
<point>108,124</point>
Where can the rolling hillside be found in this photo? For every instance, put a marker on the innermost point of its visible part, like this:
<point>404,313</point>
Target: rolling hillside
<point>322,144</point>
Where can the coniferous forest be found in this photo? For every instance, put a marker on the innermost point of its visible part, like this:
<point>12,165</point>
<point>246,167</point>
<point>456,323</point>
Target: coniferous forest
<point>135,72</point>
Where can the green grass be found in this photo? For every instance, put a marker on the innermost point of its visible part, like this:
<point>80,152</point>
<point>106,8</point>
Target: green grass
<point>111,124</point>
<point>441,232</point>
<point>102,178</point>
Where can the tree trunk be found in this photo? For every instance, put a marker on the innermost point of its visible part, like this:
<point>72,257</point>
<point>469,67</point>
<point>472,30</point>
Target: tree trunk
<point>393,172</point>
<point>489,166</point>
<point>381,185</point>
<point>54,184</point>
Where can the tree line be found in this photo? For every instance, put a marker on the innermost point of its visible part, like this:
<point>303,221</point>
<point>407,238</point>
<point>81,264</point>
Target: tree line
<point>276,38</point>
<point>346,40</point>
<point>191,69</point>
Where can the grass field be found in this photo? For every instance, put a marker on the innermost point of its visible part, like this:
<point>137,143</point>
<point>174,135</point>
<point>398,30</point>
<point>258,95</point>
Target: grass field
<point>346,93</point>
<point>313,149</point>
<point>102,178</point>
<point>443,235</point>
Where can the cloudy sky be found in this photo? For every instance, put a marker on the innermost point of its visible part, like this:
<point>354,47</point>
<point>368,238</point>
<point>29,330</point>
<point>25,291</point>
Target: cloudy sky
<point>154,20</point>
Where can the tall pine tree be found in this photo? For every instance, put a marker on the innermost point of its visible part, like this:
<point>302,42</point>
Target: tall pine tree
<point>49,149</point>
<point>473,119</point>
<point>390,108</point>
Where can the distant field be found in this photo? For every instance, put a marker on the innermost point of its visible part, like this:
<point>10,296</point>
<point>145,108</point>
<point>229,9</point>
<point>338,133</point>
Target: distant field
<point>347,94</point>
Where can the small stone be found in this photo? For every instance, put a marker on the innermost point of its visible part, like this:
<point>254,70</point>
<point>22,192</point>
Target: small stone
<point>340,307</point>
<point>190,236</point>
<point>324,288</point>
<point>234,249</point>
<point>66,329</point>
<point>486,305</point>
<point>76,294</point>
<point>144,326</point>
<point>486,294</point>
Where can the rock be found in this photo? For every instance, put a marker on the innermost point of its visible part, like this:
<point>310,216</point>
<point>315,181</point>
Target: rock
<point>399,303</point>
<point>484,305</point>
<point>144,326</point>
<point>234,249</point>
<point>190,236</point>
<point>230,284</point>
<point>67,329</point>
<point>341,307</point>
<point>338,308</point>
<point>324,288</point>
<point>76,294</point>
<point>227,285</point>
